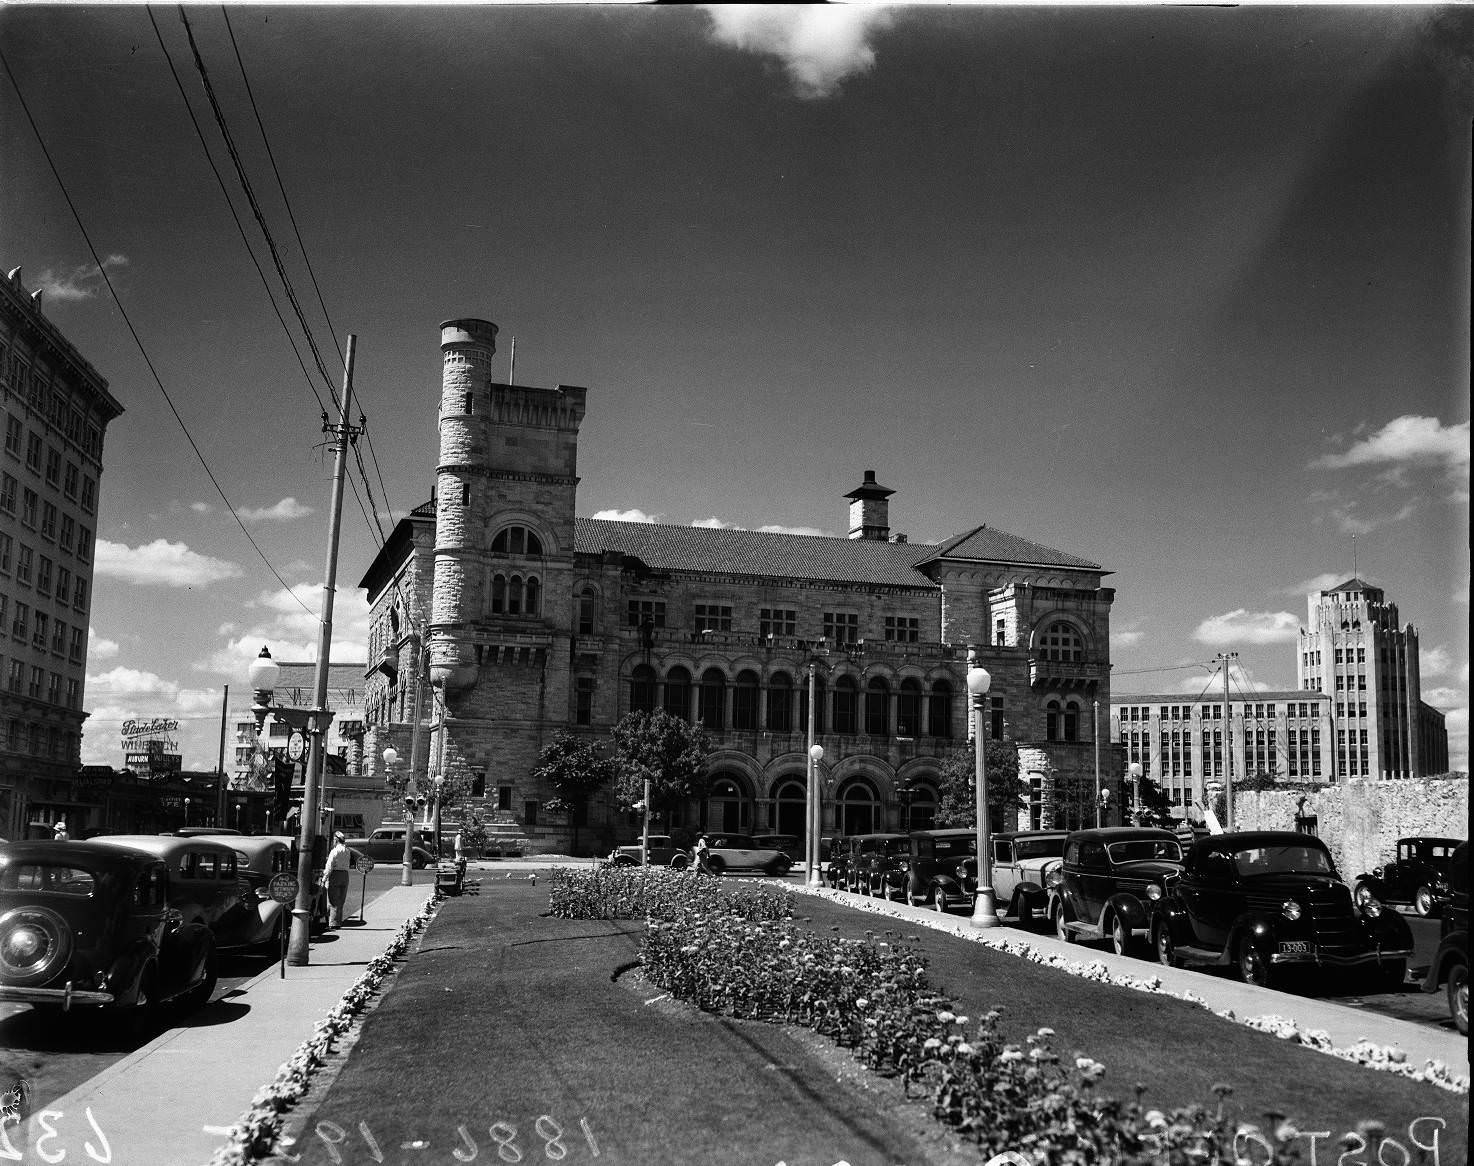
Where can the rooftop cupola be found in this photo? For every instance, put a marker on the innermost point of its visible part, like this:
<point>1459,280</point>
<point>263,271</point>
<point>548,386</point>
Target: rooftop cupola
<point>869,510</point>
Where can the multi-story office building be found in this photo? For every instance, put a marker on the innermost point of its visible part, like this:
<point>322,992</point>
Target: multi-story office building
<point>55,410</point>
<point>1179,742</point>
<point>1354,650</point>
<point>533,621</point>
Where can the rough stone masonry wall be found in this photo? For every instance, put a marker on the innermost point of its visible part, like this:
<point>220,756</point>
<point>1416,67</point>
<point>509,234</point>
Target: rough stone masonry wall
<point>1361,821</point>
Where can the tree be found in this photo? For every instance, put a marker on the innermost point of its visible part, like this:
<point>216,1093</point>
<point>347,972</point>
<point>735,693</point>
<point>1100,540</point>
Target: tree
<point>574,770</point>
<point>1153,807</point>
<point>957,805</point>
<point>668,752</point>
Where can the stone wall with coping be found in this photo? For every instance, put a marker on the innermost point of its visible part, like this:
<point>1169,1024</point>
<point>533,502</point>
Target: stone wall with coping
<point>1361,820</point>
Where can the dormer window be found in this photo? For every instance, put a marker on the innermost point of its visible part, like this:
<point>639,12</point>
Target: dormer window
<point>517,540</point>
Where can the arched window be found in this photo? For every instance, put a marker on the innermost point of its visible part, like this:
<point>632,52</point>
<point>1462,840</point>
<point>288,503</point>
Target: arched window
<point>921,810</point>
<point>534,595</point>
<point>1061,641</point>
<point>744,700</point>
<point>1052,727</point>
<point>846,705</point>
<point>908,709</point>
<point>517,540</point>
<point>498,594</point>
<point>939,710</point>
<point>729,807</point>
<point>780,704</point>
<point>642,689</point>
<point>713,699</point>
<point>678,693</point>
<point>877,707</point>
<point>855,808</point>
<point>586,599</point>
<point>1061,721</point>
<point>514,595</point>
<point>790,803</point>
<point>1070,722</point>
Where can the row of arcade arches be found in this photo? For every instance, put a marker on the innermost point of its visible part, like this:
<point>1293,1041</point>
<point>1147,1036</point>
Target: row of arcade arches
<point>854,806</point>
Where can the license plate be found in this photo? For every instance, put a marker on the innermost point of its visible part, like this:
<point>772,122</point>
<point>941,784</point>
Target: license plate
<point>1295,947</point>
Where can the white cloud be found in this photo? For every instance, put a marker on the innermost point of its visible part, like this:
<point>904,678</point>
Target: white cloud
<point>284,511</point>
<point>628,516</point>
<point>774,528</point>
<point>1435,661</point>
<point>819,45</point>
<point>1322,582</point>
<point>123,693</point>
<point>1249,627</point>
<point>1404,441</point>
<point>162,563</point>
<point>80,283</point>
<point>1124,639</point>
<point>1351,522</point>
<point>99,648</point>
<point>1209,685</point>
<point>715,523</point>
<point>201,507</point>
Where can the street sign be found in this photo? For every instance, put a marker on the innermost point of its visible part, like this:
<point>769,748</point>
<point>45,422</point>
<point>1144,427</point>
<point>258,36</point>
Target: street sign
<point>365,864</point>
<point>282,888</point>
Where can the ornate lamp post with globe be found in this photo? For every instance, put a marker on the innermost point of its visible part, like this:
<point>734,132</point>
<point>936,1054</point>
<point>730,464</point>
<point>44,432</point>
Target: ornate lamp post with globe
<point>984,910</point>
<point>406,879</point>
<point>813,859</point>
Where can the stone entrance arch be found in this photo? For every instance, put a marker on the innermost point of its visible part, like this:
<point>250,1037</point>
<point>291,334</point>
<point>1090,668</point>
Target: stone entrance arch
<point>729,806</point>
<point>790,801</point>
<point>857,807</point>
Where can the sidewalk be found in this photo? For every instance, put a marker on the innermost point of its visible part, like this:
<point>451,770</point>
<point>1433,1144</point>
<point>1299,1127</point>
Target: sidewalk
<point>172,1102</point>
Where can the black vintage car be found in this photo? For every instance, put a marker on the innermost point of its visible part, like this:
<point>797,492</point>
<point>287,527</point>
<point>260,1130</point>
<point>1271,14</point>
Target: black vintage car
<point>85,925</point>
<point>943,868</point>
<point>1417,877</point>
<point>838,855</point>
<point>1449,968</point>
<point>874,866</point>
<point>1106,882</point>
<point>1261,901</point>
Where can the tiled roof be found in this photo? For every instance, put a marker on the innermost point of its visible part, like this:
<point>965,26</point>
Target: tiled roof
<point>998,546</point>
<point>728,551</point>
<point>1355,583</point>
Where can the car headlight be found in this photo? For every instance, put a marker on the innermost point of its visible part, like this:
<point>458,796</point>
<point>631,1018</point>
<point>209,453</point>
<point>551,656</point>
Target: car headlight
<point>1290,909</point>
<point>1153,892</point>
<point>1371,908</point>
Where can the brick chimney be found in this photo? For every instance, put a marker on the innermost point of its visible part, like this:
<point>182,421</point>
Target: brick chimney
<point>869,510</point>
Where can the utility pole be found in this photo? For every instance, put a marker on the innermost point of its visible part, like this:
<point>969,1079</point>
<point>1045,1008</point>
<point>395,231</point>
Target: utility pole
<point>1227,658</point>
<point>406,878</point>
<point>343,433</point>
<point>220,822</point>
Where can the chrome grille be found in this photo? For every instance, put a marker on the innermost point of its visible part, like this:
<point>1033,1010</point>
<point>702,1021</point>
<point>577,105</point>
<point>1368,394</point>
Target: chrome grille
<point>1332,917</point>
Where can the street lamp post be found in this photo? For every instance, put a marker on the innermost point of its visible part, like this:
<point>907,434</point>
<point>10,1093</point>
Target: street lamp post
<point>984,912</point>
<point>1095,733</point>
<point>186,811</point>
<point>815,808</point>
<point>1134,770</point>
<point>439,794</point>
<point>406,879</point>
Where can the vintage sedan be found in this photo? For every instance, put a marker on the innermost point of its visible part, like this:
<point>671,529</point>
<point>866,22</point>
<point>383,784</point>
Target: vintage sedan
<point>86,926</point>
<point>205,879</point>
<point>1021,865</point>
<point>730,853</point>
<point>790,844</point>
<point>1106,881</point>
<point>262,920</point>
<point>839,854</point>
<point>1417,877</point>
<point>868,858</point>
<point>943,867</point>
<point>663,852</point>
<point>1261,901</point>
<point>386,844</point>
<point>1449,968</point>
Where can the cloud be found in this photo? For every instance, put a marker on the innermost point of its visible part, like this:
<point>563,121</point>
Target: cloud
<point>201,507</point>
<point>284,511</point>
<point>80,283</point>
<point>1435,661</point>
<point>819,45</point>
<point>161,563</point>
<point>1405,441</point>
<point>628,516</point>
<point>715,523</point>
<point>1209,685</point>
<point>99,648</point>
<point>1322,582</point>
<point>1126,639</point>
<point>1249,627</point>
<point>289,625</point>
<point>1351,523</point>
<point>123,693</point>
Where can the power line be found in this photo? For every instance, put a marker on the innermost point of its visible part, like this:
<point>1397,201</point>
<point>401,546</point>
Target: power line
<point>137,340</point>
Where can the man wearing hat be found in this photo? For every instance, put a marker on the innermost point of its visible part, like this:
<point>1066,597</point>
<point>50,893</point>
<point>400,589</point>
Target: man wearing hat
<point>341,861</point>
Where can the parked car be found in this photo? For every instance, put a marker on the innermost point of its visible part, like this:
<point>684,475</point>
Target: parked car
<point>88,925</point>
<point>1449,968</point>
<point>790,844</point>
<point>1021,864</point>
<point>865,852</point>
<point>1260,901</point>
<point>1106,880</point>
<point>729,853</point>
<point>263,920</point>
<point>663,852</point>
<point>942,867</point>
<point>205,879</point>
<point>884,867</point>
<point>839,854</point>
<point>386,844</point>
<point>1417,877</point>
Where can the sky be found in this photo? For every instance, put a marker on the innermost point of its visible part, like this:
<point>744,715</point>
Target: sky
<point>1184,291</point>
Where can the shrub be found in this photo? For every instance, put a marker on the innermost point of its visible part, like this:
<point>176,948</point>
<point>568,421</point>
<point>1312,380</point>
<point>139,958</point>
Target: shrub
<point>608,891</point>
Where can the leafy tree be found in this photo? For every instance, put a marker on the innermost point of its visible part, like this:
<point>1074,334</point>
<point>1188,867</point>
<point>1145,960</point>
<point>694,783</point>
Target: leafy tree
<point>957,805</point>
<point>574,770</point>
<point>1154,807</point>
<point>669,752</point>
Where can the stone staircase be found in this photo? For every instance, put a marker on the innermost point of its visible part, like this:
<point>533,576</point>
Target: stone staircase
<point>504,834</point>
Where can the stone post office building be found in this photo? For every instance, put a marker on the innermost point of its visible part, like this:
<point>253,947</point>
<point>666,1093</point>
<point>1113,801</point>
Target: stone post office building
<point>534,621</point>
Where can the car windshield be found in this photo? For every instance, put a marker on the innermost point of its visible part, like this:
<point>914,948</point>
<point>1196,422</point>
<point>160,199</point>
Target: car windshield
<point>1291,859</point>
<point>955,847</point>
<point>48,878</point>
<point>1039,847</point>
<point>1145,849</point>
<point>897,846</point>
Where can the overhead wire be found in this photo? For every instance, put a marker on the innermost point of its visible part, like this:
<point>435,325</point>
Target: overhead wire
<point>128,322</point>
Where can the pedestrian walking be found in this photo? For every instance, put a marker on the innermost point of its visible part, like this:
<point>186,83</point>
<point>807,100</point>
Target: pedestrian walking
<point>341,861</point>
<point>59,831</point>
<point>701,849</point>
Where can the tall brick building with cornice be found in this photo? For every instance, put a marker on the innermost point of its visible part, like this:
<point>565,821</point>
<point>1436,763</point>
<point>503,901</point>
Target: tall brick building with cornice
<point>536,621</point>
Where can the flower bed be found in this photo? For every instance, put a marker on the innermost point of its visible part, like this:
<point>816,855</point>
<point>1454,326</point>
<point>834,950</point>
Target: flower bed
<point>255,1135</point>
<point>657,892</point>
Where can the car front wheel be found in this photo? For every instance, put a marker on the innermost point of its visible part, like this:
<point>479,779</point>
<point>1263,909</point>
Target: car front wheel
<point>1061,928</point>
<point>1253,965</point>
<point>1122,941</point>
<point>1458,997</point>
<point>939,900</point>
<point>1423,902</point>
<point>1362,894</point>
<point>1162,941</point>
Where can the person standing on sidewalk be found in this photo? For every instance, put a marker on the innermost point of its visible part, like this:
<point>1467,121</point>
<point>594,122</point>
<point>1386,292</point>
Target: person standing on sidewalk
<point>700,851</point>
<point>341,861</point>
